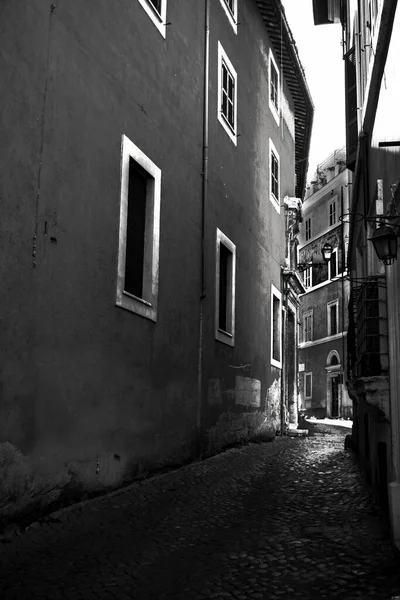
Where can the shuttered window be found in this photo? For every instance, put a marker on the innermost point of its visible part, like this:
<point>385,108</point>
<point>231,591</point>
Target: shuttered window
<point>351,108</point>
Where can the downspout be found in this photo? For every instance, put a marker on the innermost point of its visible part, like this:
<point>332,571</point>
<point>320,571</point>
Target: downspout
<point>344,359</point>
<point>203,290</point>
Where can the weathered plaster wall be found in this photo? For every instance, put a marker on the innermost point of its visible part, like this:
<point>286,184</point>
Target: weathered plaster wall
<point>239,205</point>
<point>90,389</point>
<point>93,395</point>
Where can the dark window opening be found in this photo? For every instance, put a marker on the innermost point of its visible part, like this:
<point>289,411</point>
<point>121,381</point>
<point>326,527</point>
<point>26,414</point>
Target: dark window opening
<point>333,318</point>
<point>308,229</point>
<point>276,329</point>
<point>135,229</point>
<point>332,214</point>
<point>225,257</point>
<point>228,96</point>
<point>274,86</point>
<point>157,5</point>
<point>274,175</point>
<point>308,386</point>
<point>231,5</point>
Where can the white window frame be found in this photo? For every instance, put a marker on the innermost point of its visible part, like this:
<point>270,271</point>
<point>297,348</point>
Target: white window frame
<point>232,17</point>
<point>275,110</point>
<point>276,202</point>
<point>308,277</point>
<point>159,19</point>
<point>335,257</point>
<point>147,306</point>
<point>329,320</point>
<point>307,374</point>
<point>306,236</point>
<point>275,293</point>
<point>223,58</point>
<point>309,313</point>
<point>226,337</point>
<point>333,204</point>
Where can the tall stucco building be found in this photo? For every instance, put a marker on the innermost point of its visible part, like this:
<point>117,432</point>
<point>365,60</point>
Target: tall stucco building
<point>153,157</point>
<point>371,47</point>
<point>323,306</point>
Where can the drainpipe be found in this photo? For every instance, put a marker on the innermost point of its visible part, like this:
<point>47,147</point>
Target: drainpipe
<point>203,291</point>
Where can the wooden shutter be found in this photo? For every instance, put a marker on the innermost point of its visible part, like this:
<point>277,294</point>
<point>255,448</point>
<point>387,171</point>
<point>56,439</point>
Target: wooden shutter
<point>351,108</point>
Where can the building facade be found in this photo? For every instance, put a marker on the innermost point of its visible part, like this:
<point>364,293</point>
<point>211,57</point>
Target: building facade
<point>323,306</point>
<point>371,37</point>
<point>148,160</point>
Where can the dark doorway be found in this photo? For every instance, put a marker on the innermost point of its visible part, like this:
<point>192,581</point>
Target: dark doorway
<point>291,366</point>
<point>335,396</point>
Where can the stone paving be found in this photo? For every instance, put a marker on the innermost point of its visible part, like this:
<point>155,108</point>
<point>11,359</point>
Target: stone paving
<point>286,519</point>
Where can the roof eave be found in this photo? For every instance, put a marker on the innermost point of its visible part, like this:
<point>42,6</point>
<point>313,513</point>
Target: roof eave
<point>273,14</point>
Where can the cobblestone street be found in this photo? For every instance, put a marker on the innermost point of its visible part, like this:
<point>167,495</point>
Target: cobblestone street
<point>288,519</point>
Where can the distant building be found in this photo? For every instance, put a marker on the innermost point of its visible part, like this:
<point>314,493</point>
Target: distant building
<point>323,307</point>
<point>153,156</point>
<point>371,50</point>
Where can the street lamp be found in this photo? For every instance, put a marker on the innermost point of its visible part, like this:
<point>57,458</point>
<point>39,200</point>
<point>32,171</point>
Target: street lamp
<point>326,255</point>
<point>327,252</point>
<point>384,240</point>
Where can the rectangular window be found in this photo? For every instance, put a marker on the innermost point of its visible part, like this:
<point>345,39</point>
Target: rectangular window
<point>308,277</point>
<point>139,232</point>
<point>274,91</point>
<point>276,328</point>
<point>333,264</point>
<point>227,94</point>
<point>308,229</point>
<point>308,326</point>
<point>274,175</point>
<point>225,289</point>
<point>332,213</point>
<point>157,11</point>
<point>333,310</point>
<point>308,385</point>
<point>157,5</point>
<point>274,171</point>
<point>231,9</point>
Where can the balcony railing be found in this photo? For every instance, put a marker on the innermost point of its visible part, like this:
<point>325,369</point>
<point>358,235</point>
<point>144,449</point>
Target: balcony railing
<point>368,333</point>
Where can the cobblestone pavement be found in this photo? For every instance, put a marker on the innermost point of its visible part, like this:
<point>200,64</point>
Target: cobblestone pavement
<point>288,519</point>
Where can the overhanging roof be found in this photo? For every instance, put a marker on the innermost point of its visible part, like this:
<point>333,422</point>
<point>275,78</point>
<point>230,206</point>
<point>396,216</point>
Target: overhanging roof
<point>279,32</point>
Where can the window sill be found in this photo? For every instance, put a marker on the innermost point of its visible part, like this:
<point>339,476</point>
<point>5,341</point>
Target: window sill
<point>137,305</point>
<point>225,337</point>
<point>158,20</point>
<point>275,203</point>
<point>276,363</point>
<point>228,128</point>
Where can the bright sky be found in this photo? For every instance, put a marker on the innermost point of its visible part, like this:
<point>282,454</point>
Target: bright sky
<point>320,52</point>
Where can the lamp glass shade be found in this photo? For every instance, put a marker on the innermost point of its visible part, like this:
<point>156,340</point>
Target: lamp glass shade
<point>384,240</point>
<point>327,252</point>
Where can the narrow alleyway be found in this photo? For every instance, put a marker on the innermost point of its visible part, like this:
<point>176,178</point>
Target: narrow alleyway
<point>288,519</point>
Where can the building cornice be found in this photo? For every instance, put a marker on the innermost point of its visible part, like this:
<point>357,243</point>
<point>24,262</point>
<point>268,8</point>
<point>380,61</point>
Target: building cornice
<point>325,340</point>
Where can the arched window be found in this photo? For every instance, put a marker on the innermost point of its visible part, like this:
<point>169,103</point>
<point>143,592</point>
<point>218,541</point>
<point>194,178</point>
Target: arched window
<point>332,359</point>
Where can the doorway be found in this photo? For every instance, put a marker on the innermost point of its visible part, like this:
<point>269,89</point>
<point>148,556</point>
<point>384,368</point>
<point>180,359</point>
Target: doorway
<point>335,396</point>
